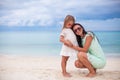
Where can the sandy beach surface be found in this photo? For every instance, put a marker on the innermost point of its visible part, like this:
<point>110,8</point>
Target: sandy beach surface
<point>48,68</point>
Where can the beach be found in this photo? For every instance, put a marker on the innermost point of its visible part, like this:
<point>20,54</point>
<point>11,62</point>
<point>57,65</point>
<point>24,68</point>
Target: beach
<point>48,68</point>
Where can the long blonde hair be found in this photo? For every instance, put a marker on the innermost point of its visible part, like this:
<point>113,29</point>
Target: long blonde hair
<point>67,19</point>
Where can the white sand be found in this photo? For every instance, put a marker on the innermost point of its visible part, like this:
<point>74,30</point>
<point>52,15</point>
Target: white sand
<point>48,68</point>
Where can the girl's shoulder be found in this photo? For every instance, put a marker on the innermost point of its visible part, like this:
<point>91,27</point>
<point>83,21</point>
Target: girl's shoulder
<point>66,29</point>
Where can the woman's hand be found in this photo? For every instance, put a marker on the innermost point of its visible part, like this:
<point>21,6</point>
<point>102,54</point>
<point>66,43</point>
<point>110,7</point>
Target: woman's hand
<point>68,43</point>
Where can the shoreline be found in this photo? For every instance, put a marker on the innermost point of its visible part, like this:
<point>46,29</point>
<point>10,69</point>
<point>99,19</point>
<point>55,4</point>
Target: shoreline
<point>49,68</point>
<point>51,55</point>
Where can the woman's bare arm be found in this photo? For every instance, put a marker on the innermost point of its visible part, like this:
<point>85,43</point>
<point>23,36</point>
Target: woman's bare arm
<point>86,45</point>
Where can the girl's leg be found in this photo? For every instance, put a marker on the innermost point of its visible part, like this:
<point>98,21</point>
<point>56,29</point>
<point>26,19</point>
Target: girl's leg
<point>83,58</point>
<point>63,65</point>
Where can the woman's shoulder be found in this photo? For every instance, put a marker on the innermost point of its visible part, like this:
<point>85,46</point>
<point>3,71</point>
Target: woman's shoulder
<point>90,33</point>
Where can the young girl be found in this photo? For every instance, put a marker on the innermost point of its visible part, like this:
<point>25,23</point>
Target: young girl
<point>67,34</point>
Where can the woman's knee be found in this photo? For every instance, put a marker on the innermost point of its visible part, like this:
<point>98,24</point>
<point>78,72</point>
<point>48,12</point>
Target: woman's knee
<point>82,55</point>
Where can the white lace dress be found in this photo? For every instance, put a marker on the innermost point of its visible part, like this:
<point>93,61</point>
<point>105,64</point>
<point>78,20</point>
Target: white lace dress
<point>68,35</point>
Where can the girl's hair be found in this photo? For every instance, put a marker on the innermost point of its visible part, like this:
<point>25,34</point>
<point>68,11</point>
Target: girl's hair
<point>67,19</point>
<point>79,40</point>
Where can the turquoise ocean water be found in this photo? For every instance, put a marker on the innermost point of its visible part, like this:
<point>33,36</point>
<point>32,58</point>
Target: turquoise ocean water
<point>47,43</point>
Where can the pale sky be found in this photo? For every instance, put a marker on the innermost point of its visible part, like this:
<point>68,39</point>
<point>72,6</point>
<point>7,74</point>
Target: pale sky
<point>92,14</point>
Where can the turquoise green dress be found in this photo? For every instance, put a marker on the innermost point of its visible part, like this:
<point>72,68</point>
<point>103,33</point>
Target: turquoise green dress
<point>95,53</point>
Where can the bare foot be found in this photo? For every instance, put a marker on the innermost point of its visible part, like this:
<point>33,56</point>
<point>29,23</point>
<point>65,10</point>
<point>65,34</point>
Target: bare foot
<point>91,75</point>
<point>66,74</point>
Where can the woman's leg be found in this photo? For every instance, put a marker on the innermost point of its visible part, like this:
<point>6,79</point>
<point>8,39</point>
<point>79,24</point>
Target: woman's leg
<point>79,64</point>
<point>63,65</point>
<point>84,60</point>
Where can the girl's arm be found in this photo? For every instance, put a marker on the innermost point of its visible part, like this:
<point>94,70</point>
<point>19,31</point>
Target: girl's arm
<point>86,45</point>
<point>66,42</point>
<point>62,39</point>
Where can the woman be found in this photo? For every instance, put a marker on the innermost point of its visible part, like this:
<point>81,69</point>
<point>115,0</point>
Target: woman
<point>90,54</point>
